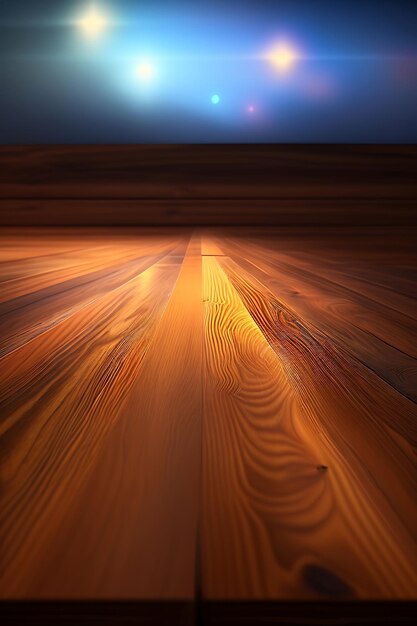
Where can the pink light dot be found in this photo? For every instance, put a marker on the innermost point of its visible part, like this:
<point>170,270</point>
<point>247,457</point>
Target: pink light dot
<point>251,108</point>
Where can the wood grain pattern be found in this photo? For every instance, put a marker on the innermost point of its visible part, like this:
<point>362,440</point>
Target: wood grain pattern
<point>187,185</point>
<point>223,413</point>
<point>301,494</point>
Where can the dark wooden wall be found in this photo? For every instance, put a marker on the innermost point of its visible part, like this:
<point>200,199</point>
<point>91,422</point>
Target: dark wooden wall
<point>207,184</point>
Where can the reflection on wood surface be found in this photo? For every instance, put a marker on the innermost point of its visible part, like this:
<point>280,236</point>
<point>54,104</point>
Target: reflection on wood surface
<point>227,412</point>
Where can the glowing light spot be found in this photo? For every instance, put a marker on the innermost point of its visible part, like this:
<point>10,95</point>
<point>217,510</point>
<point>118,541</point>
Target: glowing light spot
<point>251,108</point>
<point>93,23</point>
<point>145,71</point>
<point>283,57</point>
<point>215,99</point>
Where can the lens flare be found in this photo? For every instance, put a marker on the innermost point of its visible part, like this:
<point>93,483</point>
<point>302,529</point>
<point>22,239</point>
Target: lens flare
<point>145,71</point>
<point>283,57</point>
<point>93,23</point>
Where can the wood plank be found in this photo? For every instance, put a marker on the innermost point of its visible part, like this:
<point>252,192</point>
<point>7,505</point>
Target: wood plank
<point>207,185</point>
<point>210,170</point>
<point>137,613</point>
<point>106,613</point>
<point>42,268</point>
<point>26,316</point>
<point>265,450</point>
<point>131,529</point>
<point>329,613</point>
<point>372,322</point>
<point>289,210</point>
<point>308,479</point>
<point>61,394</point>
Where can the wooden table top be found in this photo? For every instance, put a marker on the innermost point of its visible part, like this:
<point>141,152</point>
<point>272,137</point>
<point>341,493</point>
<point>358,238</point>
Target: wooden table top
<point>225,414</point>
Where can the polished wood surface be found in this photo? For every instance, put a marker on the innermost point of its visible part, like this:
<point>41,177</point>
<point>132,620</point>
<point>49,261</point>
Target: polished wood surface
<point>213,184</point>
<point>223,414</point>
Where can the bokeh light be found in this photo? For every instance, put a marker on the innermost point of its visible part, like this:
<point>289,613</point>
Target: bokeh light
<point>94,22</point>
<point>182,71</point>
<point>145,71</point>
<point>283,57</point>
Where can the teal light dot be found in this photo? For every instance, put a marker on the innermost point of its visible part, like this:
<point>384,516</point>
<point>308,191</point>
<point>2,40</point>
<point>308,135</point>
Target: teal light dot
<point>215,99</point>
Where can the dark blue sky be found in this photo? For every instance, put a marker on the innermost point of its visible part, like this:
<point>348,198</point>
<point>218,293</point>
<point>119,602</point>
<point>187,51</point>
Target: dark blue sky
<point>218,71</point>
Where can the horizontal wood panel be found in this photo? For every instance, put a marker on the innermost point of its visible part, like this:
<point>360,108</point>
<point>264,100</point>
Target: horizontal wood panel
<point>208,613</point>
<point>204,211</point>
<point>308,613</point>
<point>207,184</point>
<point>105,613</point>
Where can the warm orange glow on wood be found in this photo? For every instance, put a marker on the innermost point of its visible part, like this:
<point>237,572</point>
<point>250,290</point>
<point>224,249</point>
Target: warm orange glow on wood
<point>243,401</point>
